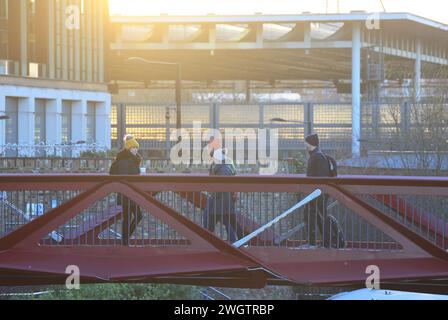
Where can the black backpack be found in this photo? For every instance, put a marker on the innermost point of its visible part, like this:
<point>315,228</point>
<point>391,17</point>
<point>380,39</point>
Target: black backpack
<point>332,165</point>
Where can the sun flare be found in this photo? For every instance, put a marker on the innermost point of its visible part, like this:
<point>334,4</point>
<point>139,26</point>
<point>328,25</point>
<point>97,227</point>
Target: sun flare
<point>432,9</point>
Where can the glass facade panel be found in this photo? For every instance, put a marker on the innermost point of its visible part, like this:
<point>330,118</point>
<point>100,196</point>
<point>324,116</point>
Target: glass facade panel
<point>11,125</point>
<point>113,115</point>
<point>39,122</point>
<point>90,122</point>
<point>66,132</point>
<point>114,126</point>
<point>114,137</point>
<point>66,122</point>
<point>40,126</point>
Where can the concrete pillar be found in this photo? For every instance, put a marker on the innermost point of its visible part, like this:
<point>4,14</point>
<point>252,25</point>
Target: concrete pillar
<point>247,91</point>
<point>356,90</point>
<point>216,115</point>
<point>259,35</point>
<point>308,118</point>
<point>102,124</point>
<point>418,70</point>
<point>121,124</point>
<point>307,33</point>
<point>26,125</point>
<point>53,121</point>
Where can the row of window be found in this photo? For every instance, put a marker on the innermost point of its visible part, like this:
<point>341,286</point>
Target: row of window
<point>40,121</point>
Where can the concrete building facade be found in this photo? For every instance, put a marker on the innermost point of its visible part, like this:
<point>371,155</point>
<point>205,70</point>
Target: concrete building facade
<point>53,81</point>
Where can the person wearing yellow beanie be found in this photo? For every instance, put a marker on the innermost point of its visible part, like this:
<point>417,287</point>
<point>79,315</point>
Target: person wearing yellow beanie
<point>128,162</point>
<point>131,143</point>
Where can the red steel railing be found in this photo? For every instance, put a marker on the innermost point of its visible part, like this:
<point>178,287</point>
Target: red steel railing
<point>151,229</point>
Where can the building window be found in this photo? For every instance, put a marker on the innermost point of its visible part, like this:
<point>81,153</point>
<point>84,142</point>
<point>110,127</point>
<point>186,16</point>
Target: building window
<point>90,122</point>
<point>66,130</point>
<point>11,125</point>
<point>39,130</point>
<point>66,133</point>
<point>32,25</point>
<point>40,126</point>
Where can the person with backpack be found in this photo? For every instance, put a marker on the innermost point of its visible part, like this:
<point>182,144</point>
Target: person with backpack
<point>221,205</point>
<point>321,165</point>
<point>128,162</point>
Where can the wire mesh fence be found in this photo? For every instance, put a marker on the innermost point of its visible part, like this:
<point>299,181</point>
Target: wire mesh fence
<point>332,121</point>
<point>116,220</point>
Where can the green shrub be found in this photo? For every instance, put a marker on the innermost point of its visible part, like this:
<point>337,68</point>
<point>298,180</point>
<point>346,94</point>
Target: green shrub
<point>299,163</point>
<point>121,292</point>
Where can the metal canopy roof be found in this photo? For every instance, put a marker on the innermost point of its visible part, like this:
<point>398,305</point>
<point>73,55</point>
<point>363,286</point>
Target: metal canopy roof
<point>285,18</point>
<point>269,47</point>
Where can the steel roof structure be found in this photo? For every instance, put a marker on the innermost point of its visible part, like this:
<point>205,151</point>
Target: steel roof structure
<point>354,51</point>
<point>270,47</point>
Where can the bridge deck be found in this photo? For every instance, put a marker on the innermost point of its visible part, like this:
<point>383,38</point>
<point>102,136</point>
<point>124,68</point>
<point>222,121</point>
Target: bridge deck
<point>397,223</point>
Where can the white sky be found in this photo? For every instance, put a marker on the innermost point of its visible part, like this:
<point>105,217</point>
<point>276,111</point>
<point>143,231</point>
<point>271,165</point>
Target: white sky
<point>432,9</point>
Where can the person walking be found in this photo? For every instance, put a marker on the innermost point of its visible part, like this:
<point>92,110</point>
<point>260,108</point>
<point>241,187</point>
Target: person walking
<point>128,162</point>
<point>221,205</point>
<point>320,165</point>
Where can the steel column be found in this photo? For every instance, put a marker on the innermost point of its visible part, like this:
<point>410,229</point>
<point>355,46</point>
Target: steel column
<point>356,90</point>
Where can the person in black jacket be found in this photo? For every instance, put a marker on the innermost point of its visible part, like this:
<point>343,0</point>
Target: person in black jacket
<point>128,163</point>
<point>221,205</point>
<point>316,213</point>
<point>317,162</point>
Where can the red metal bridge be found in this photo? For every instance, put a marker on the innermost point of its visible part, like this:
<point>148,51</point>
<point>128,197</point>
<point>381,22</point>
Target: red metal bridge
<point>49,222</point>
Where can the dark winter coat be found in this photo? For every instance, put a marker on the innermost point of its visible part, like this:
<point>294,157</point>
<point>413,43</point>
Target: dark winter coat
<point>318,165</point>
<point>223,169</point>
<point>126,164</point>
<point>221,202</point>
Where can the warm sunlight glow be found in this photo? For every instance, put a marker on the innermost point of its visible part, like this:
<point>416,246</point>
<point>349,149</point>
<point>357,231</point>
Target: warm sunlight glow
<point>432,9</point>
